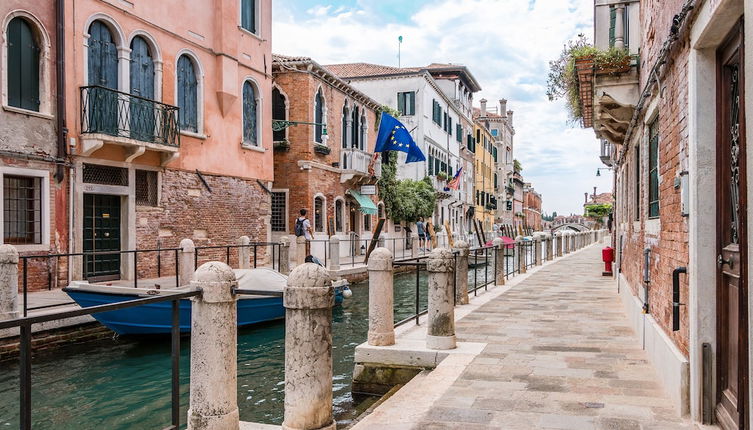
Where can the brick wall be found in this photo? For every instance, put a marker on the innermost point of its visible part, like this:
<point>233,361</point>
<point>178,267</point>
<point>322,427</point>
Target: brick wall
<point>667,236</point>
<point>187,210</point>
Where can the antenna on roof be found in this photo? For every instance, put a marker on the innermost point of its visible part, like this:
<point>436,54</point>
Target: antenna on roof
<point>399,44</point>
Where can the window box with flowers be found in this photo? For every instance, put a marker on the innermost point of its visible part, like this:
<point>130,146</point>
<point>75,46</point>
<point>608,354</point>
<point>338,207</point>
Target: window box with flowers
<point>442,176</point>
<point>322,149</point>
<point>281,146</point>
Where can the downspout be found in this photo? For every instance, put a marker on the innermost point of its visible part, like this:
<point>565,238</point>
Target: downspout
<point>62,131</point>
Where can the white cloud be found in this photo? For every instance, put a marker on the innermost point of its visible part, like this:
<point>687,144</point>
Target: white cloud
<point>507,45</point>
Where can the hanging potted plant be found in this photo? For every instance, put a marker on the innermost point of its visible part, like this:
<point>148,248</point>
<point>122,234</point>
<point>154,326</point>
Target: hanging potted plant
<point>281,146</point>
<point>322,149</point>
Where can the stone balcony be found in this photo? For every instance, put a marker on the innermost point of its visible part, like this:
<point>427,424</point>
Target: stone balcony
<point>354,164</point>
<point>136,123</point>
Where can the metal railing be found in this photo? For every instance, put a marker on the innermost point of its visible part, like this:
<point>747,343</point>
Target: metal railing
<point>24,263</point>
<point>24,324</point>
<point>119,114</point>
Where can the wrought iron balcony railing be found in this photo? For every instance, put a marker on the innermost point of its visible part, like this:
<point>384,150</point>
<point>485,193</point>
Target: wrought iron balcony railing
<point>118,114</point>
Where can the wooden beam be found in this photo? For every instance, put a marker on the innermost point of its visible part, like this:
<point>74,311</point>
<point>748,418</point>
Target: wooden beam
<point>374,239</point>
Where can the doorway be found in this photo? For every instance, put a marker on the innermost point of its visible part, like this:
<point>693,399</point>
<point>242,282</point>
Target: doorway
<point>732,294</point>
<point>101,234</point>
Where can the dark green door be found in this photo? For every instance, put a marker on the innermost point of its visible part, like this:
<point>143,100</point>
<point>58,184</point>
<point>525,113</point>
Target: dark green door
<point>101,234</point>
<point>142,112</point>
<point>102,102</point>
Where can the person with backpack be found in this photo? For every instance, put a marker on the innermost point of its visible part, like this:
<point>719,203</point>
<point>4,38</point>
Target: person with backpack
<point>303,228</point>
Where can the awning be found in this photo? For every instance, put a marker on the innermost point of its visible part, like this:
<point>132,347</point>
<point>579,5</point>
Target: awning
<point>366,205</point>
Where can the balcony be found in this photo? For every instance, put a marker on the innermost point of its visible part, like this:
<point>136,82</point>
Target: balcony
<point>354,164</point>
<point>136,123</point>
<point>607,149</point>
<point>439,185</point>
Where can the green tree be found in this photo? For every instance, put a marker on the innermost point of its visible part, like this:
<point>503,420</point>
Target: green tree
<point>598,210</point>
<point>517,166</point>
<point>404,200</point>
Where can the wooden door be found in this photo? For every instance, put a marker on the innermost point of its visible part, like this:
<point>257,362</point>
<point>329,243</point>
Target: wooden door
<point>101,234</point>
<point>732,315</point>
<point>142,114</point>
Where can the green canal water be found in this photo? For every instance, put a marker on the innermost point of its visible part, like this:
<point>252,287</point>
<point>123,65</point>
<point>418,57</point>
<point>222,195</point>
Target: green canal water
<point>124,383</point>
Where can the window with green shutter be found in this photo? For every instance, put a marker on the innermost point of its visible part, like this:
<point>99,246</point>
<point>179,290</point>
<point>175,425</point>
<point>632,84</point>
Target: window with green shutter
<point>406,103</point>
<point>612,21</point>
<point>23,65</point>
<point>653,169</point>
<point>431,164</point>
<point>248,15</point>
<point>459,133</point>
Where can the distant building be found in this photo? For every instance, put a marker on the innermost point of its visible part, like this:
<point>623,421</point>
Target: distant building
<point>485,171</point>
<point>499,122</point>
<point>532,208</point>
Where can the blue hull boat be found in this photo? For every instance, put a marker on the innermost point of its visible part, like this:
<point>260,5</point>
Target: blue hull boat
<point>156,318</point>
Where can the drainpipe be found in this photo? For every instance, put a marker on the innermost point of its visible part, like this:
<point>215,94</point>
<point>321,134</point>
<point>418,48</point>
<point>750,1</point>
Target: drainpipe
<point>646,277</point>
<point>62,132</point>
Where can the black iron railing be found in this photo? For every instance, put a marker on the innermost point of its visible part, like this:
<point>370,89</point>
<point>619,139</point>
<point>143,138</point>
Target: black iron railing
<point>111,112</point>
<point>24,324</point>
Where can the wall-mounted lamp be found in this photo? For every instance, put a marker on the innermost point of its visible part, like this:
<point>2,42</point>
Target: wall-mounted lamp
<point>598,171</point>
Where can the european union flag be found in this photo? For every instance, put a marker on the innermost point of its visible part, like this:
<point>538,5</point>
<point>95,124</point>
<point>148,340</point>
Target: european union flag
<point>393,136</point>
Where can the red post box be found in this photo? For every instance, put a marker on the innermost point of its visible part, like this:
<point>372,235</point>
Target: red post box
<point>607,256</point>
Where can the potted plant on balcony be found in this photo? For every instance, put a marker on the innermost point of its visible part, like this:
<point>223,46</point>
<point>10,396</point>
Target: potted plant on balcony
<point>322,149</point>
<point>442,176</point>
<point>612,61</point>
<point>281,146</point>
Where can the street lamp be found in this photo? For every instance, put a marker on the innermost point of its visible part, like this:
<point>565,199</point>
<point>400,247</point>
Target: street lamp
<point>598,171</point>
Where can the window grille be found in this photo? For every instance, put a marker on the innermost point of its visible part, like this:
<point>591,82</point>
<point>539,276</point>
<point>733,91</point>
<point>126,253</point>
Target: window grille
<point>22,210</point>
<point>339,215</point>
<point>367,222</point>
<point>146,188</point>
<point>105,175</point>
<point>279,211</point>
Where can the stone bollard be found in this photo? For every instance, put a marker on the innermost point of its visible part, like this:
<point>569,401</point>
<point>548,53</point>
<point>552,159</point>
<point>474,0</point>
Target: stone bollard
<point>308,301</point>
<point>8,282</point>
<point>334,253</point>
<point>440,333</point>
<point>284,267</point>
<point>213,403</point>
<point>187,259</point>
<point>549,247</point>
<point>461,272</point>
<point>300,250</point>
<point>537,249</point>
<point>244,253</point>
<point>414,244</point>
<point>381,318</point>
<point>565,242</point>
<point>499,255</point>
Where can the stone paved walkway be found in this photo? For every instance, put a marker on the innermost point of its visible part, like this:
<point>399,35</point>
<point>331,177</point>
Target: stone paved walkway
<point>559,355</point>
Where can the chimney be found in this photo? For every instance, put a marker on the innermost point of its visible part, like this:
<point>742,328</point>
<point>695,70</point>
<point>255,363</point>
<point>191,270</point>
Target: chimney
<point>483,107</point>
<point>586,196</point>
<point>509,117</point>
<point>502,107</point>
<point>594,193</point>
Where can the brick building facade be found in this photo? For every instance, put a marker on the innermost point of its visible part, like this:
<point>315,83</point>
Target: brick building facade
<point>532,208</point>
<point>319,170</point>
<point>674,116</point>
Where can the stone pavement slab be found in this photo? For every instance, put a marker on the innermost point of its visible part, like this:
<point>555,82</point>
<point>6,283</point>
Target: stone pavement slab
<point>559,355</point>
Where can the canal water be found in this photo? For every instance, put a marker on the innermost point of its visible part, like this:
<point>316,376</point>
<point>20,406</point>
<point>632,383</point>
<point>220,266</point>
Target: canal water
<point>124,383</point>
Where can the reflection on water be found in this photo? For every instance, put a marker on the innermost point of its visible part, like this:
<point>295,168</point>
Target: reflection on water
<point>124,383</point>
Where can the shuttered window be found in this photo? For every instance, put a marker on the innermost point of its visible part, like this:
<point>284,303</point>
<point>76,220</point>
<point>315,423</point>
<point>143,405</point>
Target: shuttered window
<point>344,132</point>
<point>318,117</point>
<point>278,113</point>
<point>612,21</point>
<point>250,115</point>
<point>437,113</point>
<point>23,66</point>
<point>187,95</point>
<point>406,103</point>
<point>459,133</point>
<point>653,169</point>
<point>248,15</point>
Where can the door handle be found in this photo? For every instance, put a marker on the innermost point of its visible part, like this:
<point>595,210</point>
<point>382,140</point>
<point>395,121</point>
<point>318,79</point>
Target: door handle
<point>720,261</point>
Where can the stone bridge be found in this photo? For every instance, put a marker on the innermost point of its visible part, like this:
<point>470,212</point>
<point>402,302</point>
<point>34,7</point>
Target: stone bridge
<point>570,226</point>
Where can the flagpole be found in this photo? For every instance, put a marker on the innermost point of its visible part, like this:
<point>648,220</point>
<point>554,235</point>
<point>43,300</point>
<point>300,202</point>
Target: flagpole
<point>399,45</point>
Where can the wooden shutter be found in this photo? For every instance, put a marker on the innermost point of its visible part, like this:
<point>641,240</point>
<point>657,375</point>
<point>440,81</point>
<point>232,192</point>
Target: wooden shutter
<point>318,117</point>
<point>187,95</point>
<point>612,21</point>
<point>250,133</point>
<point>23,66</point>
<point>412,103</point>
<point>401,103</point>
<point>278,112</point>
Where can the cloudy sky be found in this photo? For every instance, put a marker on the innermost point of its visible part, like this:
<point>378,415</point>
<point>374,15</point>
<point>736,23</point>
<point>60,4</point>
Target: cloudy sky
<point>506,44</point>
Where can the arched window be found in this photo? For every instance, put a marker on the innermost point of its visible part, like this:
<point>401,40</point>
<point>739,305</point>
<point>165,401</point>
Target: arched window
<point>279,112</point>
<point>318,214</point>
<point>363,131</point>
<point>366,222</point>
<point>380,210</point>
<point>102,58</point>
<point>188,95</point>
<point>142,113</point>
<point>250,115</point>
<point>344,119</point>
<point>339,216</point>
<point>319,117</point>
<point>355,128</point>
<point>23,65</point>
